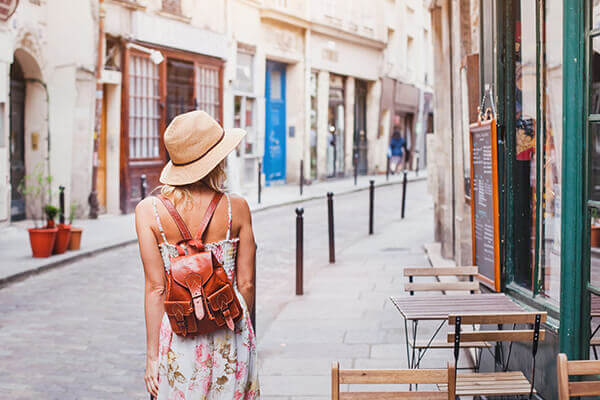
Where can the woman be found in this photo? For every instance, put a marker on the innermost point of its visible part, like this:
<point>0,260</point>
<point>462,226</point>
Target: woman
<point>221,364</point>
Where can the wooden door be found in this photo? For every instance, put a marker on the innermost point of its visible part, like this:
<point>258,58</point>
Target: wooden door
<point>275,146</point>
<point>101,176</point>
<point>17,140</point>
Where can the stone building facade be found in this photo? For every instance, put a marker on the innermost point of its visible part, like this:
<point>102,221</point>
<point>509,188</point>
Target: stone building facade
<point>306,79</point>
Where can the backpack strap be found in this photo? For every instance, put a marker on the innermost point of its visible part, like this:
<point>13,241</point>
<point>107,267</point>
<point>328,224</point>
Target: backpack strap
<point>210,211</point>
<point>183,229</point>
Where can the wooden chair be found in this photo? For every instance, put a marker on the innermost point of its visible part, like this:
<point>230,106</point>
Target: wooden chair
<point>393,377</point>
<point>566,368</point>
<point>506,383</point>
<point>460,272</point>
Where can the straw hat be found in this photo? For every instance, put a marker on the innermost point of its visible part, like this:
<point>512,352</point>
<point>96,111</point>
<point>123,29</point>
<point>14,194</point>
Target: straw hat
<point>196,144</point>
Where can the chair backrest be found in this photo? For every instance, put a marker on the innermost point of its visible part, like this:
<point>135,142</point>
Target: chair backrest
<point>467,272</point>
<point>566,368</point>
<point>533,335</point>
<point>393,377</point>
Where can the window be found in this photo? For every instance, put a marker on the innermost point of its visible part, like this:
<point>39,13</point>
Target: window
<point>244,76</point>
<point>537,154</point>
<point>208,90</point>
<point>313,124</point>
<point>144,114</point>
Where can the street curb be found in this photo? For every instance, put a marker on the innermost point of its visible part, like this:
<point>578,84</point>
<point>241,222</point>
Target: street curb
<point>8,280</point>
<point>342,193</point>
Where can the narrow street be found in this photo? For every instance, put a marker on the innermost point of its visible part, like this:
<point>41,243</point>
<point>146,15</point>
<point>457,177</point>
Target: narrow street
<point>78,332</point>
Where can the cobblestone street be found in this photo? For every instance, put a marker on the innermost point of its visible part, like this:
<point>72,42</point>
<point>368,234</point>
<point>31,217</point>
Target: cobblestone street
<point>77,332</point>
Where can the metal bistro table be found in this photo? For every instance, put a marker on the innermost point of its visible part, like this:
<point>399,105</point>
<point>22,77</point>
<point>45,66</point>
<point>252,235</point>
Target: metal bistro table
<point>437,308</point>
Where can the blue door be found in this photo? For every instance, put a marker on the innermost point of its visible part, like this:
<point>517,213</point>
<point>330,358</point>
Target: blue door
<point>274,159</point>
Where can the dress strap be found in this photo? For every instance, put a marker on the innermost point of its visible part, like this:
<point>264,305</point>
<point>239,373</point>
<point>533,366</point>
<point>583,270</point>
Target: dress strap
<point>160,227</point>
<point>228,217</point>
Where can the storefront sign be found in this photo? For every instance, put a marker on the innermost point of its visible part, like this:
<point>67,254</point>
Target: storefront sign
<point>7,9</point>
<point>484,202</point>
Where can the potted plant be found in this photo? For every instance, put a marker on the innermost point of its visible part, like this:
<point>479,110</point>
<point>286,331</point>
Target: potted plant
<point>64,230</point>
<point>595,229</point>
<point>35,188</point>
<point>75,238</point>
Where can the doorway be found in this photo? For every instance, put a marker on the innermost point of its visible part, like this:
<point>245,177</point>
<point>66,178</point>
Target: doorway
<point>360,126</point>
<point>275,123</point>
<point>17,140</point>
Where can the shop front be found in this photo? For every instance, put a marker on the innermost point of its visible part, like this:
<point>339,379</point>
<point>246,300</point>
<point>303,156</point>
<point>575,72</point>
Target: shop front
<point>158,84</point>
<point>542,90</point>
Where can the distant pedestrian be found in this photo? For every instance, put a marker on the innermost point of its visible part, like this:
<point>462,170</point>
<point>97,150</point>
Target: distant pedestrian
<point>222,364</point>
<point>397,147</point>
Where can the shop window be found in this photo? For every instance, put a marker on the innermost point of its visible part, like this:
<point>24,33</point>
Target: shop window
<point>244,116</point>
<point>208,90</point>
<point>314,128</point>
<point>144,113</point>
<point>538,144</point>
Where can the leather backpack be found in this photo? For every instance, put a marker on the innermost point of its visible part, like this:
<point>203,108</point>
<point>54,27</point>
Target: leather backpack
<point>200,298</point>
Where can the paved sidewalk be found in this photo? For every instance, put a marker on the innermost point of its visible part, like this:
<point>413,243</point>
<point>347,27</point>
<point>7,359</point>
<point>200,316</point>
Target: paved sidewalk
<point>110,231</point>
<point>345,315</point>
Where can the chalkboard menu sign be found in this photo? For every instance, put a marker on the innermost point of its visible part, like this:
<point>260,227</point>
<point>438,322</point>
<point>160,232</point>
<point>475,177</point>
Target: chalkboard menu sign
<point>484,202</point>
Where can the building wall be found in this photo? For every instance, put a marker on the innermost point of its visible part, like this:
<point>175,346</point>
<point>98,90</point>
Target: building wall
<point>59,95</point>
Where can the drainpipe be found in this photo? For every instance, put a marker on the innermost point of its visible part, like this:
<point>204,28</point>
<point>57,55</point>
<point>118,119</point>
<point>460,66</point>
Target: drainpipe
<point>452,131</point>
<point>93,197</point>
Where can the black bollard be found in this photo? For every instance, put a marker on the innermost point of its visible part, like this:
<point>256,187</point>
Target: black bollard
<point>61,201</point>
<point>143,185</point>
<point>355,167</point>
<point>387,168</point>
<point>259,180</point>
<point>330,225</point>
<point>371,200</point>
<point>299,250</point>
<point>403,193</point>
<point>301,176</point>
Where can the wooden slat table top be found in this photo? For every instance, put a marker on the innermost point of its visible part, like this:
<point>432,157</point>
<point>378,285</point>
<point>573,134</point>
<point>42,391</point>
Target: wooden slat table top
<point>438,307</point>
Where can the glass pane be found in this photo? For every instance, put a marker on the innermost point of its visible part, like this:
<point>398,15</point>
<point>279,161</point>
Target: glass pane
<point>524,177</point>
<point>275,85</point>
<point>595,76</point>
<point>237,112</point>
<point>244,76</point>
<point>250,147</point>
<point>143,106</point>
<point>552,150</point>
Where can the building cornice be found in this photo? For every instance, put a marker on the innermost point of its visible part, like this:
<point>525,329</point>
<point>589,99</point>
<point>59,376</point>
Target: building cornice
<point>130,4</point>
<point>347,36</point>
<point>283,17</point>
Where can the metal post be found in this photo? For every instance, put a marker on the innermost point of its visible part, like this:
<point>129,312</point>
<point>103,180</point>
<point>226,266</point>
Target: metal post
<point>299,250</point>
<point>355,167</point>
<point>143,185</point>
<point>259,180</point>
<point>330,225</point>
<point>301,176</point>
<point>371,200</point>
<point>61,200</point>
<point>403,192</point>
<point>387,168</point>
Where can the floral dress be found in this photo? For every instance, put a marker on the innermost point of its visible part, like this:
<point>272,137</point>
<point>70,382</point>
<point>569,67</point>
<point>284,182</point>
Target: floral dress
<point>219,365</point>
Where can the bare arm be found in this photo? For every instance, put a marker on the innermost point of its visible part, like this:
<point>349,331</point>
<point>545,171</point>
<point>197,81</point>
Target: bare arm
<point>246,258</point>
<point>154,289</point>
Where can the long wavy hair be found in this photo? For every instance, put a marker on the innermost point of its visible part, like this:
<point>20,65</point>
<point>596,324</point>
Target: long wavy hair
<point>182,194</point>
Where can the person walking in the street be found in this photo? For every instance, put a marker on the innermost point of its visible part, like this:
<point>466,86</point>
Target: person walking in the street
<point>222,364</point>
<point>397,146</point>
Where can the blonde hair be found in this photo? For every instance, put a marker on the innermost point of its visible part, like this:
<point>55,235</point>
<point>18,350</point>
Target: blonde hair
<point>215,180</point>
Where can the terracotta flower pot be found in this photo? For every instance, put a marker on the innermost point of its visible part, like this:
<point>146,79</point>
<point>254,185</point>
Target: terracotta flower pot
<point>75,238</point>
<point>595,239</point>
<point>42,241</point>
<point>62,238</point>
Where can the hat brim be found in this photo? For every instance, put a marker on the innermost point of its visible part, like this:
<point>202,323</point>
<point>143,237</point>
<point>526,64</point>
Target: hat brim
<point>185,174</point>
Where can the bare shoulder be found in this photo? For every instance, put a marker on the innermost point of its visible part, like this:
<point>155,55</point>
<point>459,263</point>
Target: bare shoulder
<point>143,210</point>
<point>240,207</point>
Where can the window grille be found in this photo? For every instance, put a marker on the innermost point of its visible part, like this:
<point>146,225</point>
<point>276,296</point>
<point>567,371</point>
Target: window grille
<point>144,113</point>
<point>208,90</point>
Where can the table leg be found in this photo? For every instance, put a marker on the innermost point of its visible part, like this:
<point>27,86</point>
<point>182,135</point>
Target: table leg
<point>421,354</point>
